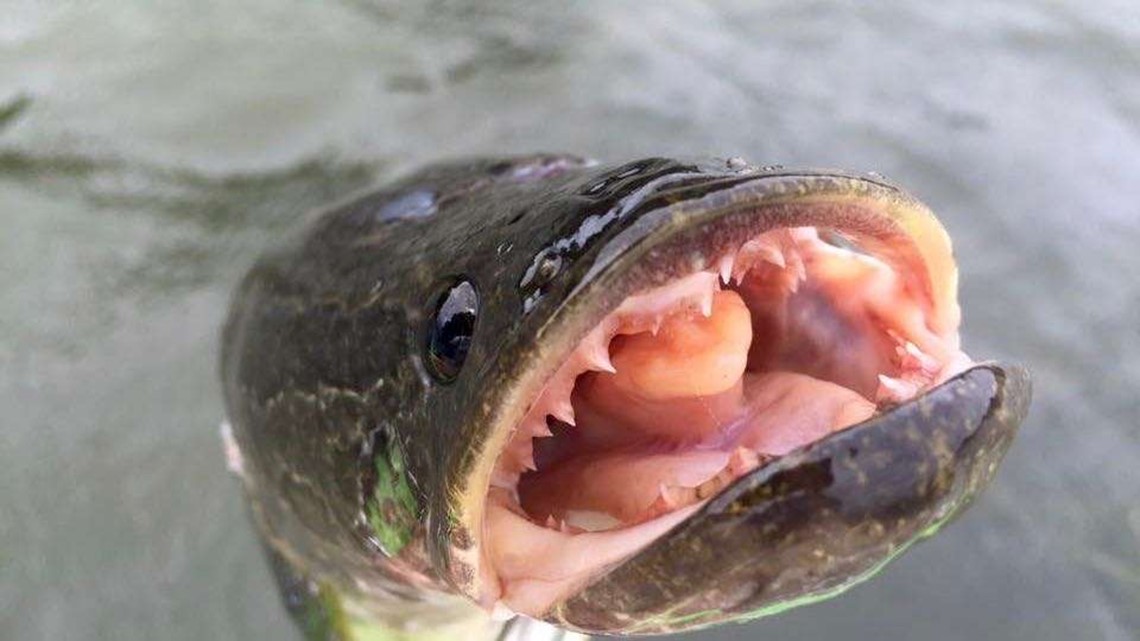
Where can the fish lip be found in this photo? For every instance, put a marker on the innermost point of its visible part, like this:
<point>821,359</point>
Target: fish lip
<point>819,520</point>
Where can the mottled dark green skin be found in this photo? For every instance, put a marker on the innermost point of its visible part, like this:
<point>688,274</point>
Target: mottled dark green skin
<point>325,379</point>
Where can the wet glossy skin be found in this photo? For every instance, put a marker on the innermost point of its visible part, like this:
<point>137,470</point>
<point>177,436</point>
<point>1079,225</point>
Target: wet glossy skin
<point>358,452</point>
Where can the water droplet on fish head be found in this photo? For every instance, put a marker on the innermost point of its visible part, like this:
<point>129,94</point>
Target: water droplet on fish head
<point>548,268</point>
<point>417,203</point>
<point>605,184</point>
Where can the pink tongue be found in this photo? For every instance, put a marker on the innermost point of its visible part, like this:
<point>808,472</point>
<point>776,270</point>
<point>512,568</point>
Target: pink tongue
<point>787,411</point>
<point>599,489</point>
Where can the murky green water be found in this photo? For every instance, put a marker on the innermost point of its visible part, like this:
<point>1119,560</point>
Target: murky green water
<point>148,149</point>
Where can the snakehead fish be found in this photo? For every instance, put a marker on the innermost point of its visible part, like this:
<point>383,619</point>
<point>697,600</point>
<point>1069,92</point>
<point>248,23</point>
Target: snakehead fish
<point>626,399</point>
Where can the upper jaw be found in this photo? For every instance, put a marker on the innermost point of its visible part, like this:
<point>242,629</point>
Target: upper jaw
<point>810,524</point>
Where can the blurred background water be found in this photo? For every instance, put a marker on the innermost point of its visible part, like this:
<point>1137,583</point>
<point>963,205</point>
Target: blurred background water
<point>150,148</point>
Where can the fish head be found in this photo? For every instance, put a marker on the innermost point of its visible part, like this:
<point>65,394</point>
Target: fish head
<point>663,395</point>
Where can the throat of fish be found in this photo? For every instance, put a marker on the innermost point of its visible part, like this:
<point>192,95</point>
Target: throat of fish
<point>682,389</point>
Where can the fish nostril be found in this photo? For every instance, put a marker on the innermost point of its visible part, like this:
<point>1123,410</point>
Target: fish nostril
<point>451,330</point>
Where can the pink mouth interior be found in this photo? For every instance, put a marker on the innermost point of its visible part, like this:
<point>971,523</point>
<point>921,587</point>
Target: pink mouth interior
<point>685,388</point>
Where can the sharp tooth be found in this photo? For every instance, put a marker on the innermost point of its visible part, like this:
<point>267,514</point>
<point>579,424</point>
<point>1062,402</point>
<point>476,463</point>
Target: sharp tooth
<point>563,411</point>
<point>540,429</point>
<point>551,523</point>
<point>924,360</point>
<point>597,357</point>
<point>744,260</point>
<point>666,496</point>
<point>707,303</point>
<point>796,263</point>
<point>894,389</point>
<point>772,254</point>
<point>726,268</point>
<point>602,362</point>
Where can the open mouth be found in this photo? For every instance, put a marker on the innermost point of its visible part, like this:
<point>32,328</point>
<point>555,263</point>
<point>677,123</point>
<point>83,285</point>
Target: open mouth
<point>680,390</point>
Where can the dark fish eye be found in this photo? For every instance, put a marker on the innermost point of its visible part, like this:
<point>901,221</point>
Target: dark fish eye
<point>452,325</point>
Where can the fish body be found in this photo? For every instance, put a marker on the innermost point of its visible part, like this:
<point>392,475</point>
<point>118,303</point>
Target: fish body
<point>378,363</point>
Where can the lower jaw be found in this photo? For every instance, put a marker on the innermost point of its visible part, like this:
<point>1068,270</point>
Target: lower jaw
<point>591,476</point>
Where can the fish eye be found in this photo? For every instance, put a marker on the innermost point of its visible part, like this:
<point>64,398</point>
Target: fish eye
<point>451,329</point>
